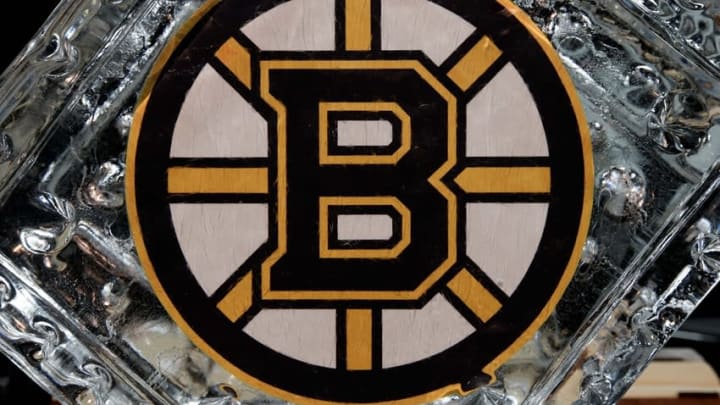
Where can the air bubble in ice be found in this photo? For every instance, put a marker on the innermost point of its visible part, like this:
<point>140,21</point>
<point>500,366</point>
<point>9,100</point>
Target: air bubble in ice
<point>113,294</point>
<point>123,122</point>
<point>86,398</point>
<point>622,192</point>
<point>43,240</point>
<point>643,87</point>
<point>589,252</point>
<point>105,188</point>
<point>574,46</point>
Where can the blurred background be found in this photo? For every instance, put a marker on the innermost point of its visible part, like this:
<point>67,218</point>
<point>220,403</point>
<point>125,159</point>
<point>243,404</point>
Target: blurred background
<point>701,332</point>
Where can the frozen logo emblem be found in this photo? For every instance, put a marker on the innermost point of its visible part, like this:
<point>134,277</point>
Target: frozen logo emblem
<point>359,200</point>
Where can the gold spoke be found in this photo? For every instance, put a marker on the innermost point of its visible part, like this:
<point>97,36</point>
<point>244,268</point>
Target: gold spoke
<point>474,295</point>
<point>237,59</point>
<point>358,25</point>
<point>238,300</point>
<point>474,63</point>
<point>511,180</point>
<point>212,180</point>
<point>358,334</point>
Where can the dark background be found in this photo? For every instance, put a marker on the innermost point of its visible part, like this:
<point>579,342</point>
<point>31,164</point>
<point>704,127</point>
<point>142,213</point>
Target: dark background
<point>701,332</point>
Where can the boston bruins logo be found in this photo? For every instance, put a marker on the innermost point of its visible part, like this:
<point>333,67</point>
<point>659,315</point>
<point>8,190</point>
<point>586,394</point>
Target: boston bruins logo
<point>359,200</point>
